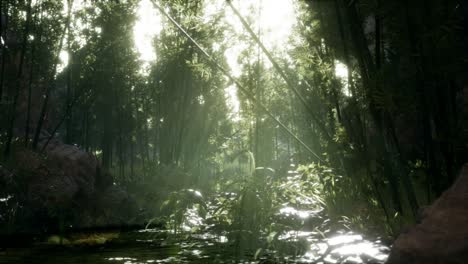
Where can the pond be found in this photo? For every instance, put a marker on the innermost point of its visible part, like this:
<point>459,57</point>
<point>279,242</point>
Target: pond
<point>162,246</point>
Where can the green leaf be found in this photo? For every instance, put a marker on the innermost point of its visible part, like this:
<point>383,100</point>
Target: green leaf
<point>257,253</point>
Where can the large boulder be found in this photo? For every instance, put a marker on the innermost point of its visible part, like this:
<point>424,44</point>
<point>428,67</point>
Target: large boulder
<point>117,208</point>
<point>82,167</point>
<point>6,180</point>
<point>62,182</point>
<point>442,235</point>
<point>58,178</point>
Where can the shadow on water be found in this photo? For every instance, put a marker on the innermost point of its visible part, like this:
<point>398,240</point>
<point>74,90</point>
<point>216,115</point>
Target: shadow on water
<point>296,236</point>
<point>161,246</point>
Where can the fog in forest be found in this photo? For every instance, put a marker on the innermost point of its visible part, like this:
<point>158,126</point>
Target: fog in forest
<point>233,131</point>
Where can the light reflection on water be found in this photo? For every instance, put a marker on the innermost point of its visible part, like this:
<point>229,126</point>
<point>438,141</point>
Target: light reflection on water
<point>339,248</point>
<point>5,199</point>
<point>345,248</point>
<point>156,246</point>
<point>290,211</point>
<point>166,246</point>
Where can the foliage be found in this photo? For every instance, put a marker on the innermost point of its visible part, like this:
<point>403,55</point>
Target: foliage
<point>181,209</point>
<point>390,133</point>
<point>255,205</point>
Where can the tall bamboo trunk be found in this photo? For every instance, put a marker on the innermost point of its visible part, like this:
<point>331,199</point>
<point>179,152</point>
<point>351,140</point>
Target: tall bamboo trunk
<point>3,35</point>
<point>382,119</point>
<point>13,110</point>
<point>69,120</point>
<point>52,82</point>
<point>27,129</point>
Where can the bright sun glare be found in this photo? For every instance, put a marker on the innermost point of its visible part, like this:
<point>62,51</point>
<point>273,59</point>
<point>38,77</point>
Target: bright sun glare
<point>275,22</point>
<point>341,72</point>
<point>147,26</point>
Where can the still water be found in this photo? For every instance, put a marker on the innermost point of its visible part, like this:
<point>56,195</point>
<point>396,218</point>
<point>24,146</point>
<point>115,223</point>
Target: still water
<point>159,246</point>
<point>299,236</point>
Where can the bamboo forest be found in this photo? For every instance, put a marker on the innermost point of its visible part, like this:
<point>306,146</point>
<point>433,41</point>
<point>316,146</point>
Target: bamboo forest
<point>234,131</point>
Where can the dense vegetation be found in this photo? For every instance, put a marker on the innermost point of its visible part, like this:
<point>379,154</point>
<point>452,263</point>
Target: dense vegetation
<point>371,146</point>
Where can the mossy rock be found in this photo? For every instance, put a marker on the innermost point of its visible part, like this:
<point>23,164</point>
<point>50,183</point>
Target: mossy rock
<point>57,240</point>
<point>82,239</point>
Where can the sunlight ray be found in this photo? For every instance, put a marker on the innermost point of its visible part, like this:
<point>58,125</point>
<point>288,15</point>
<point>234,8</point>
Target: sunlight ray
<point>147,26</point>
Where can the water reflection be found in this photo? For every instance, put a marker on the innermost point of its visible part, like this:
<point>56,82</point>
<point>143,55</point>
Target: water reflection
<point>348,248</point>
<point>290,211</point>
<point>5,199</point>
<point>205,245</point>
<point>159,246</point>
<point>121,259</point>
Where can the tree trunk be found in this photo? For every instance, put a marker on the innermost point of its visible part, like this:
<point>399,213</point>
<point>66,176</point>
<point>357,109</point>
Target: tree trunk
<point>12,114</point>
<point>3,35</point>
<point>68,130</point>
<point>51,85</point>
<point>31,78</point>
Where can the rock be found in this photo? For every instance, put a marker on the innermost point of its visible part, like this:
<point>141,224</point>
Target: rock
<point>47,184</point>
<point>115,207</point>
<point>77,164</point>
<point>63,183</point>
<point>6,180</point>
<point>57,240</point>
<point>442,235</point>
